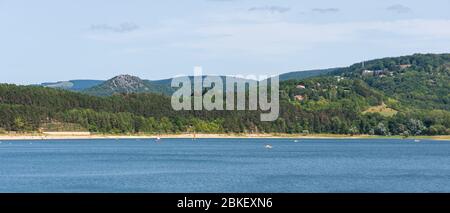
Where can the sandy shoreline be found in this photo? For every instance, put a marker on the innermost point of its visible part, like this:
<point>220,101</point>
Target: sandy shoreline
<point>87,136</point>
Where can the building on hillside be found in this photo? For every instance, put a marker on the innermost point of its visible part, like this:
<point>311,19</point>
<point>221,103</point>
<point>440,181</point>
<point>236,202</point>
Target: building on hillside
<point>379,73</point>
<point>404,66</point>
<point>367,72</point>
<point>301,86</point>
<point>339,78</point>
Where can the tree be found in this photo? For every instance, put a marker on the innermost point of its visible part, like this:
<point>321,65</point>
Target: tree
<point>381,129</point>
<point>416,127</point>
<point>353,130</point>
<point>437,130</point>
<point>19,124</point>
<point>406,134</point>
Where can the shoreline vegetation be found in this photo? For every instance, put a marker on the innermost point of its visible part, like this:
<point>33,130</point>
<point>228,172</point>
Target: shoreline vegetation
<point>404,96</point>
<point>88,135</point>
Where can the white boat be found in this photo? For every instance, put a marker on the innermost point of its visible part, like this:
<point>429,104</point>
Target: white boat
<point>417,141</point>
<point>296,141</point>
<point>268,146</point>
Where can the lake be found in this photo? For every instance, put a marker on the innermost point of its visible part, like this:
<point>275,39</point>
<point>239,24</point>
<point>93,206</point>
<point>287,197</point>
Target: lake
<point>225,165</point>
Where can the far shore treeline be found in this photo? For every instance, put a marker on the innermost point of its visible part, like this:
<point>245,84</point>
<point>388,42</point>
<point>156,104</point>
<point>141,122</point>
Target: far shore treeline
<point>406,96</point>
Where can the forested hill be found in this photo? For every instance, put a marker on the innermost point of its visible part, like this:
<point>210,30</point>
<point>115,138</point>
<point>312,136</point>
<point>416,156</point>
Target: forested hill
<point>307,74</point>
<point>419,81</point>
<point>129,84</point>
<point>393,96</point>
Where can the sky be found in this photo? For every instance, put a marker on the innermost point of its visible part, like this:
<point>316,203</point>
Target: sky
<point>58,40</point>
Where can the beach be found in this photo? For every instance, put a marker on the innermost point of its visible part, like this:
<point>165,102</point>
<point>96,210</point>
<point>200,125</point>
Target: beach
<point>87,136</point>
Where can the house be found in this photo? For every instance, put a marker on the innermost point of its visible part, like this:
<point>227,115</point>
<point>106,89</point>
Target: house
<point>404,66</point>
<point>375,72</point>
<point>339,78</point>
<point>301,86</point>
<point>379,72</point>
<point>367,72</point>
<point>346,89</point>
<point>299,97</point>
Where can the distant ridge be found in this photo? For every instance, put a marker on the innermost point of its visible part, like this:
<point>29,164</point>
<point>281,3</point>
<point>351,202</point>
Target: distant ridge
<point>299,75</point>
<point>73,85</point>
<point>127,84</point>
<point>130,84</point>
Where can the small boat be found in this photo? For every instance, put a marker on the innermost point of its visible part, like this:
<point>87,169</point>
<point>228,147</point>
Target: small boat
<point>268,146</point>
<point>157,139</point>
<point>417,141</point>
<point>296,141</point>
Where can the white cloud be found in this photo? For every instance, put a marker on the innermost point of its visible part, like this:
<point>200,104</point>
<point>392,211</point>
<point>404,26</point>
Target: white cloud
<point>398,8</point>
<point>326,10</point>
<point>241,34</point>
<point>121,28</point>
<point>285,37</point>
<point>270,9</point>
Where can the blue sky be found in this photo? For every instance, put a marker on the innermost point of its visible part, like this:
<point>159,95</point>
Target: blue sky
<point>52,40</point>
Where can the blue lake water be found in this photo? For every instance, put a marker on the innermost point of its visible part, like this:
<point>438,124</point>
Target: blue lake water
<point>225,165</point>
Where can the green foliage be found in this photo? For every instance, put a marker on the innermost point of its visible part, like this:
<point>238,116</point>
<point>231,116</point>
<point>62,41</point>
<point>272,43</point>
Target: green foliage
<point>306,74</point>
<point>19,124</point>
<point>129,84</point>
<point>338,102</point>
<point>438,130</point>
<point>423,83</point>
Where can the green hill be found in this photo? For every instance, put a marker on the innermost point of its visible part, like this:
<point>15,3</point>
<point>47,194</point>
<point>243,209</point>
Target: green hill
<point>393,96</point>
<point>73,85</point>
<point>128,84</point>
<point>131,84</point>
<point>418,81</point>
<point>298,75</point>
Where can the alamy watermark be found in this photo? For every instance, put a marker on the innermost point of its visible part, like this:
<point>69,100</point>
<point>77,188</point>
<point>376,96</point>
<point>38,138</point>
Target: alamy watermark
<point>251,92</point>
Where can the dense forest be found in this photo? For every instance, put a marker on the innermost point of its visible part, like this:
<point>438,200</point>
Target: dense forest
<point>407,95</point>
